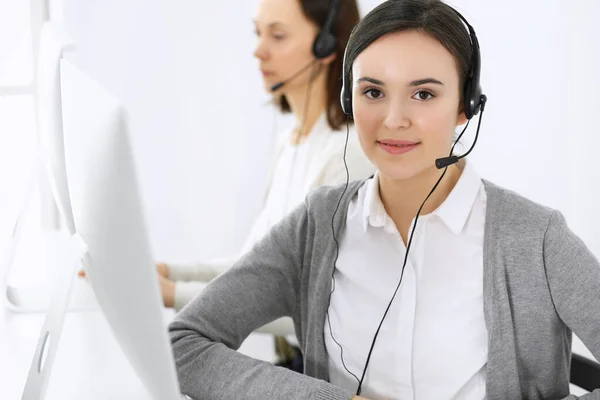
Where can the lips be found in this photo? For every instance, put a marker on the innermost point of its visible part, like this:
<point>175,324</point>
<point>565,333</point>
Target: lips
<point>391,142</point>
<point>397,147</point>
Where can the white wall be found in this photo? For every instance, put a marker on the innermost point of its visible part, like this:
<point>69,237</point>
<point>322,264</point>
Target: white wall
<point>186,74</point>
<point>185,71</point>
<point>523,72</point>
<point>540,71</point>
<point>582,115</point>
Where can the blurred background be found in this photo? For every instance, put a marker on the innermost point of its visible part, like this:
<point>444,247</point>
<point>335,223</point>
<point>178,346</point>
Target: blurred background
<point>203,129</point>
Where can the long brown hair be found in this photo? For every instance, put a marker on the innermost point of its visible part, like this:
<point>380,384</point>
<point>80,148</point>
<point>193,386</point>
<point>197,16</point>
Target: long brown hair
<point>347,17</point>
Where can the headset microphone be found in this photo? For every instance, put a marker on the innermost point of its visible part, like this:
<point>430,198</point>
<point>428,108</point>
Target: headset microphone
<point>279,85</point>
<point>444,162</point>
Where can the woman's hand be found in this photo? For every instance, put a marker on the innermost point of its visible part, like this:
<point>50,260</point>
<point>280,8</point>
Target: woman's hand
<point>167,286</point>
<point>163,270</point>
<point>167,291</point>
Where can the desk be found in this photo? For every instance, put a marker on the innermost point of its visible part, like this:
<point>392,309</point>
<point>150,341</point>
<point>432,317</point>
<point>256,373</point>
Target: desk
<point>89,364</point>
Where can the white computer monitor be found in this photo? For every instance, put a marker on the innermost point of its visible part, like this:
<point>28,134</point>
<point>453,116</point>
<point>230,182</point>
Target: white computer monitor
<point>54,42</point>
<point>49,164</point>
<point>109,219</point>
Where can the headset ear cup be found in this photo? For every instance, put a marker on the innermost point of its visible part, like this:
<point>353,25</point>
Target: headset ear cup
<point>348,107</point>
<point>324,45</point>
<point>468,99</point>
<point>346,100</point>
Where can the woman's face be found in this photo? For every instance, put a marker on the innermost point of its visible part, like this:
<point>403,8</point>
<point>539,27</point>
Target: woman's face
<point>406,103</point>
<point>284,42</point>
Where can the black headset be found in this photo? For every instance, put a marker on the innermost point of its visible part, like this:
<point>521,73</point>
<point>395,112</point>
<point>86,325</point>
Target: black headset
<point>326,42</point>
<point>472,94</point>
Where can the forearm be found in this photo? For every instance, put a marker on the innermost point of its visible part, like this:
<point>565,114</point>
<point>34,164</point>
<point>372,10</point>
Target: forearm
<point>210,370</point>
<point>185,292</point>
<point>200,271</point>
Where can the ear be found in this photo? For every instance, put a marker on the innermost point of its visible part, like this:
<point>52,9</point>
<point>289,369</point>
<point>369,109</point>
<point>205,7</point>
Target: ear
<point>328,60</point>
<point>461,118</point>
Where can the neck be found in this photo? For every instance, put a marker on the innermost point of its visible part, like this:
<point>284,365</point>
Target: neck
<point>307,112</point>
<point>402,198</point>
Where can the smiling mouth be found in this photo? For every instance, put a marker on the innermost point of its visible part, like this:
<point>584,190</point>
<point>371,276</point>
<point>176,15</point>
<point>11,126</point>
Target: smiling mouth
<point>397,148</point>
<point>398,143</point>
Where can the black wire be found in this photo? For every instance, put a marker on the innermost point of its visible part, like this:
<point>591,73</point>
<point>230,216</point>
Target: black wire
<point>399,282</point>
<point>358,391</point>
<point>337,250</point>
<point>476,135</point>
<point>459,136</point>
<point>360,381</point>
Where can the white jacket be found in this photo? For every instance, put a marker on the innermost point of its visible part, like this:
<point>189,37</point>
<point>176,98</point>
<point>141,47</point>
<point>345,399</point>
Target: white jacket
<point>324,166</point>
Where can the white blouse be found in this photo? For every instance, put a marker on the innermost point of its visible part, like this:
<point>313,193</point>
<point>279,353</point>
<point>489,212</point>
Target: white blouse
<point>433,342</point>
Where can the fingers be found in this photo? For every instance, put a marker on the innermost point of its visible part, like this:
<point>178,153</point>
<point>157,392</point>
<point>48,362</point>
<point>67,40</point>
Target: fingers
<point>163,270</point>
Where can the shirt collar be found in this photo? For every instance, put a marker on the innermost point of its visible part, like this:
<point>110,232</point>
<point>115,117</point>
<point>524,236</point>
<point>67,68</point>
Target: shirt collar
<point>374,212</point>
<point>454,211</point>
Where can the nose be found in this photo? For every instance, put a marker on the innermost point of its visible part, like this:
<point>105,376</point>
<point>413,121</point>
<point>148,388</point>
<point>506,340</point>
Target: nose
<point>397,116</point>
<point>260,51</point>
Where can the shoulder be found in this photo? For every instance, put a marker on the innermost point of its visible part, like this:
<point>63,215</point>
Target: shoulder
<point>518,215</point>
<point>325,199</point>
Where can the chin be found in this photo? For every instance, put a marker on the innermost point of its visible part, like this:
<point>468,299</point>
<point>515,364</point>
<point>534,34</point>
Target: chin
<point>401,171</point>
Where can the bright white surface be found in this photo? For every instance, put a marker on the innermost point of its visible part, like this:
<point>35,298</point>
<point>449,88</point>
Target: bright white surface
<point>89,363</point>
<point>111,230</point>
<point>53,41</point>
<point>201,133</point>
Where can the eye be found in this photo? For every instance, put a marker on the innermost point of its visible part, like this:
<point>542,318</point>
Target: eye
<point>373,94</point>
<point>278,36</point>
<point>423,95</point>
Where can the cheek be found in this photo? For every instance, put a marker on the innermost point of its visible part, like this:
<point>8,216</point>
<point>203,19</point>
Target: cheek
<point>368,124</point>
<point>292,52</point>
<point>437,127</point>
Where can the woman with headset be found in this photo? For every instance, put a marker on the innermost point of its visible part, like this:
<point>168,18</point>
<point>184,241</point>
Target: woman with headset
<point>300,45</point>
<point>424,281</point>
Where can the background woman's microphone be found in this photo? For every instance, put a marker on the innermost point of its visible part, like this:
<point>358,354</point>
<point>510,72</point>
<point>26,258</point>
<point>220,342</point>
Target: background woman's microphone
<point>279,85</point>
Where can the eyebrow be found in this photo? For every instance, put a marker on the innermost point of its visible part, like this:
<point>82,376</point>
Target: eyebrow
<point>417,82</point>
<point>274,24</point>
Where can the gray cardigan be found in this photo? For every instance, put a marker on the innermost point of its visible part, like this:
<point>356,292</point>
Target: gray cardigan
<point>540,283</point>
